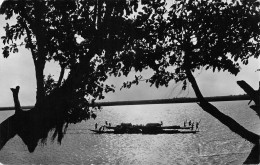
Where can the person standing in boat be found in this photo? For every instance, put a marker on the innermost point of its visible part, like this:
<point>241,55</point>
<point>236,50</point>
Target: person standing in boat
<point>96,125</point>
<point>192,125</point>
<point>197,126</point>
<point>161,123</point>
<point>184,124</point>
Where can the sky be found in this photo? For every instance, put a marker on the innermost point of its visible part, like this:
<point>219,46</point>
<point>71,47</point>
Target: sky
<point>18,69</point>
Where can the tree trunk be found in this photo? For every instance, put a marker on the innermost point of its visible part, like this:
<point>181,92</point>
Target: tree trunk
<point>253,94</point>
<point>61,76</point>
<point>41,52</point>
<point>226,120</point>
<point>40,92</point>
<point>35,124</point>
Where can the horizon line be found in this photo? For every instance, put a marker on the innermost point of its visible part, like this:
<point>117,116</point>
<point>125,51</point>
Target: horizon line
<point>155,101</point>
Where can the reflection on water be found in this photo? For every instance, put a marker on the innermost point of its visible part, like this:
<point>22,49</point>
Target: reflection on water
<point>215,144</point>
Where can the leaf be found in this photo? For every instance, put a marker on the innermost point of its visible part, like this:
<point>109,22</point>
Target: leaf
<point>236,58</point>
<point>184,85</point>
<point>177,71</point>
<point>6,51</point>
<point>93,115</point>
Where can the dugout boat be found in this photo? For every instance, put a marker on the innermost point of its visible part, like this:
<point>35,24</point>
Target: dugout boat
<point>149,128</point>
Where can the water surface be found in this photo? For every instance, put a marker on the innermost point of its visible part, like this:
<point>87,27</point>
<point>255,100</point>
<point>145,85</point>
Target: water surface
<point>214,144</point>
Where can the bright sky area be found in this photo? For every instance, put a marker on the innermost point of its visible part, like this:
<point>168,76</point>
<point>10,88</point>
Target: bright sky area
<point>18,69</point>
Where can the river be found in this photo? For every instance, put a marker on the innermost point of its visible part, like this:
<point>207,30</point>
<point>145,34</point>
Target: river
<point>214,144</point>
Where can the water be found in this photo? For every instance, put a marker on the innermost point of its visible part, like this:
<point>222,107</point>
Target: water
<point>214,144</point>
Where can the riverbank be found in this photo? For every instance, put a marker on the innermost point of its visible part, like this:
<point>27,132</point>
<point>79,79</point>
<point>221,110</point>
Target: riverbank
<point>158,101</point>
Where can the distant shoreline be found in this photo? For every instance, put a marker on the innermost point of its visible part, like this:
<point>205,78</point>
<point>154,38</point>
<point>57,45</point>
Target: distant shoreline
<point>174,100</point>
<point>157,101</point>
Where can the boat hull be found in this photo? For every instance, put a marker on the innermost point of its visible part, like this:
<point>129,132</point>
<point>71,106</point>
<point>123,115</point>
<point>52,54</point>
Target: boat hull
<point>146,132</point>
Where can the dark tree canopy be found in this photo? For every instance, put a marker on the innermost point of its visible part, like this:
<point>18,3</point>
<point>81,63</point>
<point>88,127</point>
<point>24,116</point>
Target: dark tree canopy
<point>85,38</point>
<point>194,34</point>
<point>50,30</point>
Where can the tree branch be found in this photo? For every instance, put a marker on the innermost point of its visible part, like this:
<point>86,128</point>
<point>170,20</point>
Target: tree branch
<point>253,94</point>
<point>226,120</point>
<point>17,105</point>
<point>61,76</point>
<point>31,46</point>
<point>25,18</point>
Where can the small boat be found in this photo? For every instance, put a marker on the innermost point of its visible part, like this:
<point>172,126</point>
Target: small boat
<point>171,132</point>
<point>149,128</point>
<point>101,132</point>
<point>148,132</point>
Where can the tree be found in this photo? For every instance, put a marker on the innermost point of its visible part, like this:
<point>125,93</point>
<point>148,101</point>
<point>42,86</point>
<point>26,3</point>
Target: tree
<point>51,30</point>
<point>197,34</point>
<point>253,94</point>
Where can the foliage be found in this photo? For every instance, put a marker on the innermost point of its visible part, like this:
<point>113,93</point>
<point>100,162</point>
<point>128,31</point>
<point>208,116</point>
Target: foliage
<point>84,37</point>
<point>49,84</point>
<point>50,29</point>
<point>192,34</point>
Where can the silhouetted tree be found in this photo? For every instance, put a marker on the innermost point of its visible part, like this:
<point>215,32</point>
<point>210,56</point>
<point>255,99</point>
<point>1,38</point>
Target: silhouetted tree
<point>196,34</point>
<point>84,37</point>
<point>253,94</point>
